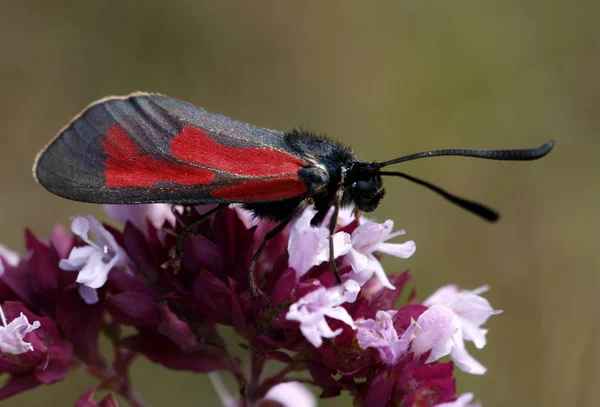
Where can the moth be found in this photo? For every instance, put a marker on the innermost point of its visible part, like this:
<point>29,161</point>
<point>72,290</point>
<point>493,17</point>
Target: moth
<point>150,148</point>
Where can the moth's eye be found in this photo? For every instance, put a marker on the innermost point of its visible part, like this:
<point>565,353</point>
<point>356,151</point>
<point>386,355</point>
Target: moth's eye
<point>366,195</point>
<point>364,188</point>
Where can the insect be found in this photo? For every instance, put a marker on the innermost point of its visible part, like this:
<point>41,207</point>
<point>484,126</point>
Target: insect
<point>149,148</point>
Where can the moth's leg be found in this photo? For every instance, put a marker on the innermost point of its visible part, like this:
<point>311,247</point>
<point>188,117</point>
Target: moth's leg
<point>332,224</point>
<point>357,212</point>
<point>270,235</point>
<point>189,229</point>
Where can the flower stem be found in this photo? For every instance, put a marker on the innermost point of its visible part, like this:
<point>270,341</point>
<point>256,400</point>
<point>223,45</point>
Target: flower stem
<point>122,386</point>
<point>133,398</point>
<point>226,398</point>
<point>253,388</point>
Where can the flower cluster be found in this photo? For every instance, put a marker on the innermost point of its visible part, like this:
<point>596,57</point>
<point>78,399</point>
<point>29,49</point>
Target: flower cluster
<point>353,337</point>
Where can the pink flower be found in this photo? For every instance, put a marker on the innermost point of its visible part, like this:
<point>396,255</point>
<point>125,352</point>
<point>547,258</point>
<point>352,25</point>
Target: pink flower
<point>95,260</point>
<point>432,331</point>
<point>469,311</point>
<point>312,309</point>
<point>368,238</point>
<point>381,335</point>
<point>462,401</point>
<point>12,335</point>
<point>290,394</point>
<point>139,215</point>
<point>31,354</point>
<point>10,257</point>
<point>308,245</point>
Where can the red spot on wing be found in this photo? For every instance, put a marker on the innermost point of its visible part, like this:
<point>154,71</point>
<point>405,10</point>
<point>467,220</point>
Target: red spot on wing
<point>127,166</point>
<point>196,147</point>
<point>264,190</point>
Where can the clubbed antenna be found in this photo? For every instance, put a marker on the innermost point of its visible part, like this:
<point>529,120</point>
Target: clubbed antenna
<point>473,207</point>
<point>526,154</point>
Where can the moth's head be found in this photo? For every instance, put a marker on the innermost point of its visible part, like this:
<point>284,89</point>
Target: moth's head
<point>364,186</point>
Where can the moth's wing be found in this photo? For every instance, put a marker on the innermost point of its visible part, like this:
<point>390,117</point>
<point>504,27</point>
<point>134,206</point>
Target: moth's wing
<point>146,148</point>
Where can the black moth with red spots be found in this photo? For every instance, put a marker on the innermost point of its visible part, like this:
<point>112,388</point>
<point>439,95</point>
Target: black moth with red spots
<point>149,148</point>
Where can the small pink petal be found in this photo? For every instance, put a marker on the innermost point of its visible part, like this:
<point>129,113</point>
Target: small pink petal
<point>80,226</point>
<point>88,294</point>
<point>291,394</point>
<point>341,315</point>
<point>466,362</point>
<point>9,256</point>
<point>139,214</point>
<point>435,330</point>
<point>371,234</point>
<point>77,259</point>
<point>401,250</point>
<point>308,245</point>
<point>462,401</point>
<point>341,246</point>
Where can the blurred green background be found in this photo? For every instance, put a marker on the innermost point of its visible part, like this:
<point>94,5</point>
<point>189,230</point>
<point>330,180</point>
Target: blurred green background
<point>388,78</point>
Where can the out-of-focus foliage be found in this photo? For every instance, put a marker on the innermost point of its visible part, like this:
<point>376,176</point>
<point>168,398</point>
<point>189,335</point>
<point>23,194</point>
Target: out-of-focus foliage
<point>388,78</point>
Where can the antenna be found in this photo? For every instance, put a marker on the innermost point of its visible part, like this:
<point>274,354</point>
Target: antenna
<point>473,207</point>
<point>527,154</point>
